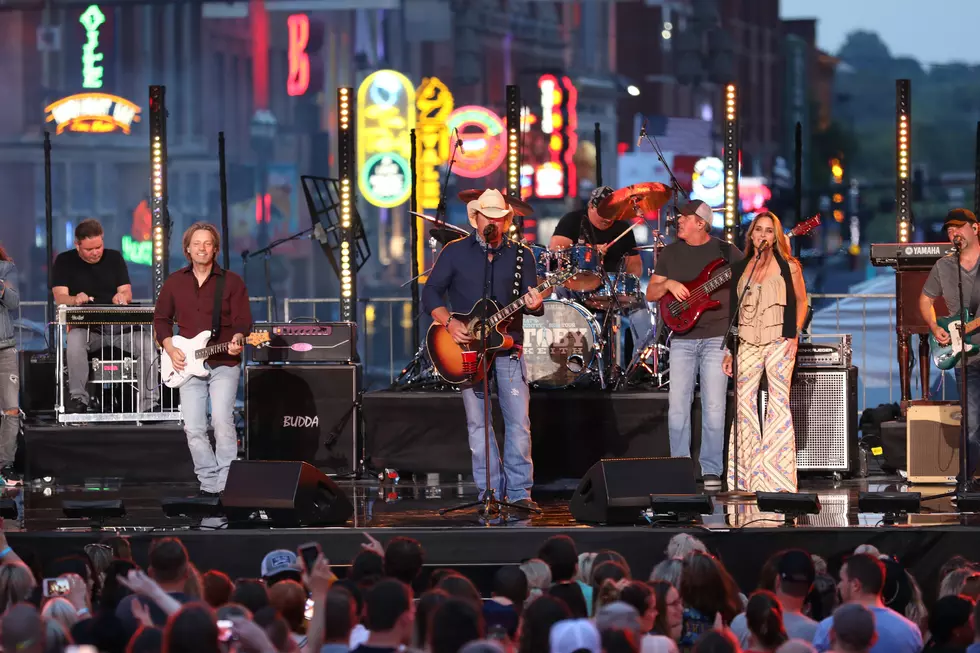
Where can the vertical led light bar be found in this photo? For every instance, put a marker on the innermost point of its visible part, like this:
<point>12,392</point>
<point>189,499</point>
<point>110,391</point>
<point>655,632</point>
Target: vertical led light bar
<point>730,160</point>
<point>514,150</point>
<point>345,162</point>
<point>903,151</point>
<point>158,187</point>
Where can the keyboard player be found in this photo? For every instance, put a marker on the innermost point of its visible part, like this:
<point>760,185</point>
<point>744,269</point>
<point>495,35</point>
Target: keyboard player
<point>90,274</point>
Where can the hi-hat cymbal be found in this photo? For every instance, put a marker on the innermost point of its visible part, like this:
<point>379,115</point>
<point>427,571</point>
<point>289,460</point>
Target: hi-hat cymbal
<point>445,236</point>
<point>647,197</point>
<point>648,248</point>
<point>520,207</point>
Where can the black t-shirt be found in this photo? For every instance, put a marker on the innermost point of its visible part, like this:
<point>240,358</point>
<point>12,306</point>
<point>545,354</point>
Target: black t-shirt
<point>576,227</point>
<point>97,280</point>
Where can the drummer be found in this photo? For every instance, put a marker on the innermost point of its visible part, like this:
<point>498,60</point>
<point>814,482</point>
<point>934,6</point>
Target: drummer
<point>587,227</point>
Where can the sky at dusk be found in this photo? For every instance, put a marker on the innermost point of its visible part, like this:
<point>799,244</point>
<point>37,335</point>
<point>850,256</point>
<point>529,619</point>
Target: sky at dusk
<point>939,31</point>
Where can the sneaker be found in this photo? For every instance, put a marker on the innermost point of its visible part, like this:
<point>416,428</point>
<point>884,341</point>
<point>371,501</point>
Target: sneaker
<point>527,504</point>
<point>10,477</point>
<point>712,480</point>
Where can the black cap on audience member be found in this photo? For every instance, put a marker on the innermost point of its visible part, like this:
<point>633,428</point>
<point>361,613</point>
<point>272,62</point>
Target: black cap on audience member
<point>796,566</point>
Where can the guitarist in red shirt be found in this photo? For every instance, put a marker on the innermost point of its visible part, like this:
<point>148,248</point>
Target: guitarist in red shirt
<point>697,352</point>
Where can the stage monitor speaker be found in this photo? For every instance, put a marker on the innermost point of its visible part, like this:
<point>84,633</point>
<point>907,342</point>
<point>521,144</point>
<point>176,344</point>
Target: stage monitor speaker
<point>933,443</point>
<point>304,412</point>
<point>617,491</point>
<point>291,493</point>
<point>823,402</point>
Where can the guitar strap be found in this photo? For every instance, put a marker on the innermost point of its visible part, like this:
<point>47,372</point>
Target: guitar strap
<point>219,291</point>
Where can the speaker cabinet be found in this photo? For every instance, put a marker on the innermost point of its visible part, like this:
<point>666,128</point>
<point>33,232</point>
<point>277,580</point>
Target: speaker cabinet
<point>291,494</point>
<point>304,412</point>
<point>823,402</point>
<point>616,491</point>
<point>933,443</point>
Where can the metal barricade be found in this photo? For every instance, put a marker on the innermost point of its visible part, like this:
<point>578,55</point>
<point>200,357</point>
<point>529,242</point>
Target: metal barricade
<point>122,361</point>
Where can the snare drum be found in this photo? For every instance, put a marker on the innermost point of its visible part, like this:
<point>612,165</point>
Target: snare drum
<point>559,346</point>
<point>622,292</point>
<point>588,263</point>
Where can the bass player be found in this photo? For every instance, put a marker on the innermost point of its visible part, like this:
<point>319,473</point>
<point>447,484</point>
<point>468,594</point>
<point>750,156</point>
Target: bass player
<point>188,300</point>
<point>961,227</point>
<point>697,352</point>
<point>459,273</point>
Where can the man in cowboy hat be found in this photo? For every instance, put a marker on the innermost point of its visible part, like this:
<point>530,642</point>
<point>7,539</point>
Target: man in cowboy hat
<point>459,274</point>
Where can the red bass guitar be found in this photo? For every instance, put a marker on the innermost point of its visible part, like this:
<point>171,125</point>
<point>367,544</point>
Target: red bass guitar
<point>681,315</point>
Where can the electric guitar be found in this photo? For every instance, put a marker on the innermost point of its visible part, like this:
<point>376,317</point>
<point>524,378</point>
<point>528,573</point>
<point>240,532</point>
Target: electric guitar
<point>463,363</point>
<point>946,357</point>
<point>196,352</point>
<point>681,315</point>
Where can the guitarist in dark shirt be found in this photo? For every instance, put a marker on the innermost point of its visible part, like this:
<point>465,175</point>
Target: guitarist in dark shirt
<point>961,227</point>
<point>459,273</point>
<point>697,352</point>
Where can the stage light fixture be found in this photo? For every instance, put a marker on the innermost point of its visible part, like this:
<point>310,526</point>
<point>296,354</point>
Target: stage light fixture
<point>791,504</point>
<point>159,213</point>
<point>890,504</point>
<point>903,158</point>
<point>193,507</point>
<point>730,161</point>
<point>95,510</point>
<point>345,159</point>
<point>513,117</point>
<point>679,508</point>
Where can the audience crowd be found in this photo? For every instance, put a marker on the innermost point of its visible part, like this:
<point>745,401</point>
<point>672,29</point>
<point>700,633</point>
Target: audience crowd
<point>559,602</point>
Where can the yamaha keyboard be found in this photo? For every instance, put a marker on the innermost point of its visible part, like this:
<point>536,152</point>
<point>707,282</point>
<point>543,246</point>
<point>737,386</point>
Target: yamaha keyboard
<point>900,255</point>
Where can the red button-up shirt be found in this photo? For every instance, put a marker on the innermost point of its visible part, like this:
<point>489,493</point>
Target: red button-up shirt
<point>188,306</point>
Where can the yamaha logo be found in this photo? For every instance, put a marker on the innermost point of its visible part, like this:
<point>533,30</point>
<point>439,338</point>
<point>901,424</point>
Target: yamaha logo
<point>924,250</point>
<point>300,421</point>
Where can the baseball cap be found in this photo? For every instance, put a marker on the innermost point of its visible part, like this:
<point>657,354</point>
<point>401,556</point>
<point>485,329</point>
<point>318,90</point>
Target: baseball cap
<point>698,208</point>
<point>598,194</point>
<point>796,566</point>
<point>279,561</point>
<point>854,625</point>
<point>958,217</point>
<point>574,635</point>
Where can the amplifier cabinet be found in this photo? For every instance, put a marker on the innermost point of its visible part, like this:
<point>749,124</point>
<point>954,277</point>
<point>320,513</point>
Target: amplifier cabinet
<point>307,342</point>
<point>823,402</point>
<point>308,413</point>
<point>933,443</point>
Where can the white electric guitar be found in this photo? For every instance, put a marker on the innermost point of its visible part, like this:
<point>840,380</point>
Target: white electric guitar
<point>196,352</point>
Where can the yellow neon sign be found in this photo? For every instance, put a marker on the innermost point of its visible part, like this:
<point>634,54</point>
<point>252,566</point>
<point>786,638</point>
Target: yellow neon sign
<point>95,113</point>
<point>386,114</point>
<point>435,103</point>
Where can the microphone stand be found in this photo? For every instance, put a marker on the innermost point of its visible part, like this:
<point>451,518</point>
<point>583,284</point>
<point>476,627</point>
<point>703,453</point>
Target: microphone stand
<point>441,209</point>
<point>964,483</point>
<point>735,492</point>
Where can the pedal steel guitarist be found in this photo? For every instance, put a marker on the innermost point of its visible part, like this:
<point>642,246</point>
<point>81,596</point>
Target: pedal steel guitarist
<point>699,351</point>
<point>943,281</point>
<point>459,273</point>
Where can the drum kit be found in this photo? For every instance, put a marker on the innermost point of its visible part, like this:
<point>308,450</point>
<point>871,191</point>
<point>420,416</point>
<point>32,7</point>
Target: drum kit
<point>577,341</point>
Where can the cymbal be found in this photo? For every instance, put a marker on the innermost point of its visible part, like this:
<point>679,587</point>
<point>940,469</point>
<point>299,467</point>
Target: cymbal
<point>648,197</point>
<point>648,248</point>
<point>441,224</point>
<point>445,236</point>
<point>520,207</point>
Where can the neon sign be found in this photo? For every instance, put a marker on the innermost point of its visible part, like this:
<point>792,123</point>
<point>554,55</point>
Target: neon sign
<point>139,252</point>
<point>386,114</point>
<point>435,103</point>
<point>92,113</point>
<point>484,141</point>
<point>298,79</point>
<point>91,19</point>
<point>557,177</point>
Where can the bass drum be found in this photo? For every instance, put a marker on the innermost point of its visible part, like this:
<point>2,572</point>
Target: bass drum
<point>559,346</point>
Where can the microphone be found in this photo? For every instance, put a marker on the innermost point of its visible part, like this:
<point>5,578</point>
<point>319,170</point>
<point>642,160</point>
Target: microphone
<point>489,232</point>
<point>459,139</point>
<point>762,247</point>
<point>957,244</point>
<point>643,133</point>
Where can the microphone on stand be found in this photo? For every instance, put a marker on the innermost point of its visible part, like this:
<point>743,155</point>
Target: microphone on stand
<point>459,139</point>
<point>643,133</point>
<point>957,244</point>
<point>489,232</point>
<point>762,247</point>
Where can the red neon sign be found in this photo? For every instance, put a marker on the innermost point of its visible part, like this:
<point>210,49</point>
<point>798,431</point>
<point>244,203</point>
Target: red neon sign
<point>298,79</point>
<point>558,177</point>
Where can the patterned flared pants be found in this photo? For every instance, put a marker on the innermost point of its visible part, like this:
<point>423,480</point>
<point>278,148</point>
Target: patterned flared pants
<point>766,456</point>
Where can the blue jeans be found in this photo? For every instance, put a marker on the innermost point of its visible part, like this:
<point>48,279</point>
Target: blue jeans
<point>512,393</point>
<point>211,466</point>
<point>688,358</point>
<point>972,414</point>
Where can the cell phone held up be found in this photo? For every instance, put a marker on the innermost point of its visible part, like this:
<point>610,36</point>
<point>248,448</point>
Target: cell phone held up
<point>309,552</point>
<point>55,587</point>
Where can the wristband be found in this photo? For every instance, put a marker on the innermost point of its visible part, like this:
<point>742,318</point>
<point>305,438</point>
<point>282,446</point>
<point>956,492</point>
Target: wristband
<point>5,551</point>
<point>448,321</point>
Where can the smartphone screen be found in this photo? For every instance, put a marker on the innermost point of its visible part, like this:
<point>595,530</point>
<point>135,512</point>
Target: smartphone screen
<point>225,632</point>
<point>308,610</point>
<point>56,587</point>
<point>310,552</point>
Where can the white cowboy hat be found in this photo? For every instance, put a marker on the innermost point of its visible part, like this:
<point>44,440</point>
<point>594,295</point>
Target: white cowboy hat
<point>491,204</point>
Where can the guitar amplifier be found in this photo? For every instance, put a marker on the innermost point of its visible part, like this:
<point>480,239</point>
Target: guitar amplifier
<point>933,442</point>
<point>823,402</point>
<point>312,342</point>
<point>304,412</point>
<point>825,350</point>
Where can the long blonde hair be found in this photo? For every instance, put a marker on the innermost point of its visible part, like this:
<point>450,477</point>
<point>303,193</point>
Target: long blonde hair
<point>782,241</point>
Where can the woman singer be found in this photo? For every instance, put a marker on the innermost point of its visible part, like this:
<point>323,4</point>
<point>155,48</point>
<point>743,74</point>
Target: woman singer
<point>772,313</point>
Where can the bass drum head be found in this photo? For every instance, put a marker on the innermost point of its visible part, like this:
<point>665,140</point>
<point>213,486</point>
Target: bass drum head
<point>559,345</point>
